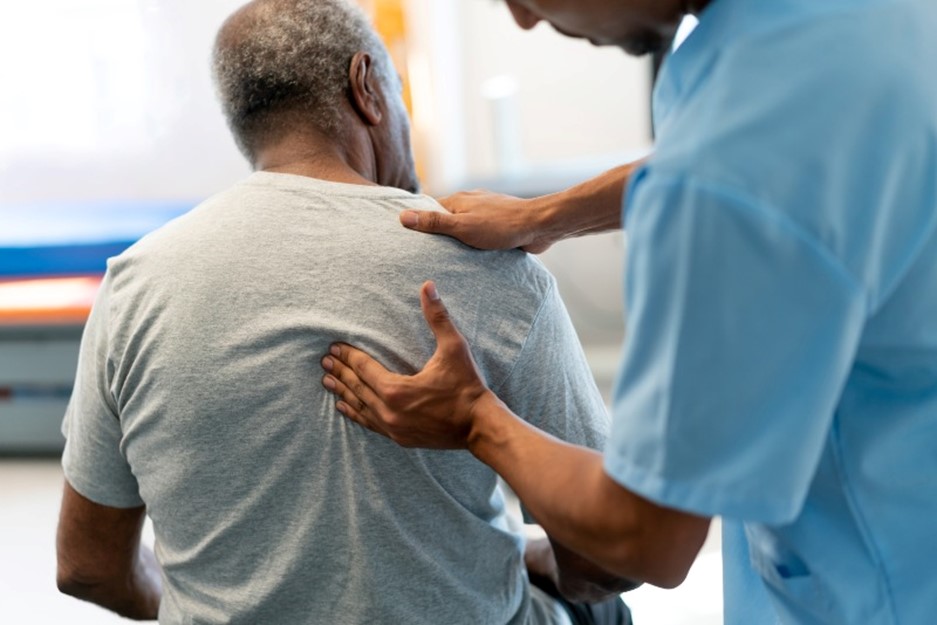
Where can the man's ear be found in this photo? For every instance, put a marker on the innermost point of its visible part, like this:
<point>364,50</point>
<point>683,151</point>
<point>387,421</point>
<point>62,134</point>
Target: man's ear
<point>366,95</point>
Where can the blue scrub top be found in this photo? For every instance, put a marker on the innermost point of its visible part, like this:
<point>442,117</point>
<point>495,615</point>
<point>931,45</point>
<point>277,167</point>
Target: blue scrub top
<point>781,363</point>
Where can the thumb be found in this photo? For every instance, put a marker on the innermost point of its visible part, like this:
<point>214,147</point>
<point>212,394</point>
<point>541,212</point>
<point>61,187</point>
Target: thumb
<point>437,316</point>
<point>428,221</point>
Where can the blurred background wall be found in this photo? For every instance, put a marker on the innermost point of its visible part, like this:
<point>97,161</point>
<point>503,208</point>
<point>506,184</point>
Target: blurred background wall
<point>113,98</point>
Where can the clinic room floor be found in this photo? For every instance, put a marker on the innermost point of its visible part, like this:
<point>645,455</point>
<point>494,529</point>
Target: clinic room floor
<point>29,502</point>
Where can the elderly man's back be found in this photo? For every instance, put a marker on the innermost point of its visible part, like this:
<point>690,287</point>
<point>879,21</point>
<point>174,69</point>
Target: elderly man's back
<point>267,506</point>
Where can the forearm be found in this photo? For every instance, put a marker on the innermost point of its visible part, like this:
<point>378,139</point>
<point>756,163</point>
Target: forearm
<point>553,480</point>
<point>591,207</point>
<point>567,491</point>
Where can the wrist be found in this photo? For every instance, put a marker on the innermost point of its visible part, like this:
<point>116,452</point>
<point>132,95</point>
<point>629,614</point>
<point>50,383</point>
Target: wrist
<point>542,221</point>
<point>489,418</point>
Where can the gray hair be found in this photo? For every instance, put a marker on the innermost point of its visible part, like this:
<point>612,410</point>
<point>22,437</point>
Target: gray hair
<point>273,57</point>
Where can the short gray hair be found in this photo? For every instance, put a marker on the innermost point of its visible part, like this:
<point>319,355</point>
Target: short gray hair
<point>278,56</point>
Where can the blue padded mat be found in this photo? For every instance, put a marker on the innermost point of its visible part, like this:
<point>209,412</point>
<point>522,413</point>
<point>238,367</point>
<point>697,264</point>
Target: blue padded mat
<point>60,239</point>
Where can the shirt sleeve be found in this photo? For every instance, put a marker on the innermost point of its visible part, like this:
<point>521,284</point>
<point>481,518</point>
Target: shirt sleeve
<point>93,462</point>
<point>742,329</point>
<point>551,384</point>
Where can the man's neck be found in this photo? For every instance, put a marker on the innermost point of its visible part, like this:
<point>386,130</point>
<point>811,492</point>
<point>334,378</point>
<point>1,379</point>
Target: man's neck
<point>318,170</point>
<point>316,157</point>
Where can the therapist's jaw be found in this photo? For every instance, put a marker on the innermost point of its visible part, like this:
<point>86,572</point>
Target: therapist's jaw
<point>637,26</point>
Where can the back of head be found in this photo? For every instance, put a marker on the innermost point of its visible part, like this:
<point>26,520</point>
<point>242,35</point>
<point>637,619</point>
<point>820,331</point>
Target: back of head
<point>274,59</point>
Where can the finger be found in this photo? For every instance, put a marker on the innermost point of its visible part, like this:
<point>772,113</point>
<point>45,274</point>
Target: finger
<point>369,371</point>
<point>350,405</point>
<point>345,382</point>
<point>356,417</point>
<point>437,316</point>
<point>429,221</point>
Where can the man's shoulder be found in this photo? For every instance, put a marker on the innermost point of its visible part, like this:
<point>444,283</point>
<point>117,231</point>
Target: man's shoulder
<point>498,271</point>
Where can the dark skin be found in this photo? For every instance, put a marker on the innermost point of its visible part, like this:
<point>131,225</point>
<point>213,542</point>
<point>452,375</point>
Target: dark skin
<point>101,560</point>
<point>448,405</point>
<point>372,147</point>
<point>491,221</point>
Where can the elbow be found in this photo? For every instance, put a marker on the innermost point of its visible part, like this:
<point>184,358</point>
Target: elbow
<point>659,569</point>
<point>671,577</point>
<point>77,583</point>
<point>71,585</point>
<point>663,563</point>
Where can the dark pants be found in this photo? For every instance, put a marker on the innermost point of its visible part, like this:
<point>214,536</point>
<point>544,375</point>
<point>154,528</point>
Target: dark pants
<point>612,611</point>
<point>609,612</point>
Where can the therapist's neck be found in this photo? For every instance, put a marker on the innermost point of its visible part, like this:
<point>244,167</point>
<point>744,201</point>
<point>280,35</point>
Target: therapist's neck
<point>307,151</point>
<point>695,7</point>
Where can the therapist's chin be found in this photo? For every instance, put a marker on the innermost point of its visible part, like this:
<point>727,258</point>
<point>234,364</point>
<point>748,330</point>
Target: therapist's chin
<point>639,44</point>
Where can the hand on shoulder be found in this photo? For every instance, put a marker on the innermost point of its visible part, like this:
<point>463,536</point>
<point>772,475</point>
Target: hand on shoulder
<point>485,220</point>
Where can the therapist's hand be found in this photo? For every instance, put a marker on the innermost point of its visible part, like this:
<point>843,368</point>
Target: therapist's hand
<point>491,221</point>
<point>433,408</point>
<point>540,561</point>
<point>485,220</point>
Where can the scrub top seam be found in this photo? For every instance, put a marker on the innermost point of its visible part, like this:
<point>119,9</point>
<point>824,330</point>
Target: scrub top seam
<point>740,201</point>
<point>907,264</point>
<point>868,535</point>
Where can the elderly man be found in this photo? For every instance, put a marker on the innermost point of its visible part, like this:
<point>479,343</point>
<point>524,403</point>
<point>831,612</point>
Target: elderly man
<point>781,364</point>
<point>194,404</point>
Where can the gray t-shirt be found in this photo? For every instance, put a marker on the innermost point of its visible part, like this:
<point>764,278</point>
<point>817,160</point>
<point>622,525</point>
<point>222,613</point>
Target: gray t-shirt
<point>198,394</point>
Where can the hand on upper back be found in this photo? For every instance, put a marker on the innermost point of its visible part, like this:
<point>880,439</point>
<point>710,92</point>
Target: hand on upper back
<point>433,408</point>
<point>482,219</point>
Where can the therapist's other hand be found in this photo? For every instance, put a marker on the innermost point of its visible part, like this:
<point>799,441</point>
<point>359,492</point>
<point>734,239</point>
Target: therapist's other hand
<point>540,561</point>
<point>485,220</point>
<point>431,409</point>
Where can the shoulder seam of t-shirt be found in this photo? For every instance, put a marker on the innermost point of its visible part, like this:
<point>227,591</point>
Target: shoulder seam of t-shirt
<point>740,201</point>
<point>106,292</point>
<point>530,329</point>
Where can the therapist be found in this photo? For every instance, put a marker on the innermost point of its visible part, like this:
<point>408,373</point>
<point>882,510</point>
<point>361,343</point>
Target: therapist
<point>781,364</point>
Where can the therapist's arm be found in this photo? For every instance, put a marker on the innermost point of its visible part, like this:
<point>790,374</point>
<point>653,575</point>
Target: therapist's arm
<point>565,487</point>
<point>101,560</point>
<point>493,221</point>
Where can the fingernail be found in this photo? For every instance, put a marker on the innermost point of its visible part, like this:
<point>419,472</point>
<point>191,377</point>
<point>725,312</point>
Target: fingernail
<point>409,219</point>
<point>328,383</point>
<point>327,363</point>
<point>432,292</point>
<point>335,350</point>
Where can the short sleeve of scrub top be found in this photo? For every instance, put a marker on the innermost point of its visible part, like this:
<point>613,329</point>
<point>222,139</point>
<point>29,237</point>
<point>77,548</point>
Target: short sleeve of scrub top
<point>741,329</point>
